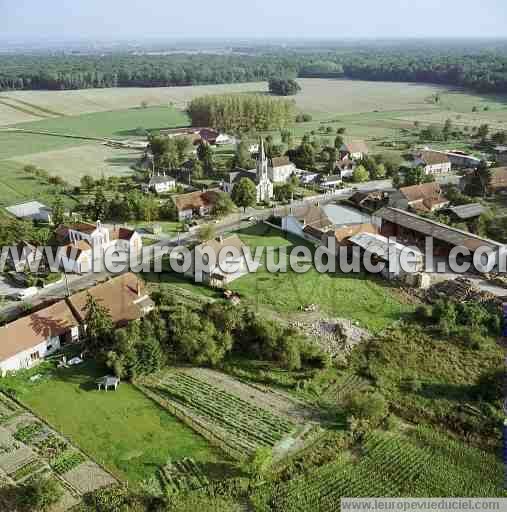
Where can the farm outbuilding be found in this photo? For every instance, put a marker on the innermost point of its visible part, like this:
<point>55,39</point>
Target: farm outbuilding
<point>32,210</point>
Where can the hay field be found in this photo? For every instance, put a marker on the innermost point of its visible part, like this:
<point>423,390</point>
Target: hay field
<point>93,159</point>
<point>102,100</point>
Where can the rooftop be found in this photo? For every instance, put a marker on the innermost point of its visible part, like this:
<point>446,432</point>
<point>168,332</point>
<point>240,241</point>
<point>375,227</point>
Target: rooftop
<point>29,209</point>
<point>442,232</point>
<point>468,211</point>
<point>380,245</point>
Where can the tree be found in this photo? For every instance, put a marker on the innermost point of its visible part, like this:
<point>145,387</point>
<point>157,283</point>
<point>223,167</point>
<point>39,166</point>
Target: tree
<point>39,494</point>
<point>483,173</point>
<point>205,155</point>
<point>87,182</point>
<point>414,176</point>
<point>58,212</point>
<point>483,132</point>
<point>244,194</point>
<point>360,174</point>
<point>98,209</point>
<point>372,407</point>
<point>259,463</point>
<point>99,325</point>
<point>338,142</point>
<point>223,204</point>
<point>242,157</point>
<point>284,87</point>
<point>206,232</point>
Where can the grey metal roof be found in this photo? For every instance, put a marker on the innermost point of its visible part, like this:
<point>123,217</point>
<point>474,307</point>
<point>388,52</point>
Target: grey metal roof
<point>467,211</point>
<point>380,245</point>
<point>31,209</point>
<point>343,215</point>
<point>453,236</point>
<point>154,180</point>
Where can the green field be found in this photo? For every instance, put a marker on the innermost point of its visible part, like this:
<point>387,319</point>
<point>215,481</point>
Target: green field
<point>366,299</point>
<point>124,430</point>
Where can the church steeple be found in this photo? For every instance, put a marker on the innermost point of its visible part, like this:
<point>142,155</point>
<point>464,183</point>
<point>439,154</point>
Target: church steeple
<point>262,163</point>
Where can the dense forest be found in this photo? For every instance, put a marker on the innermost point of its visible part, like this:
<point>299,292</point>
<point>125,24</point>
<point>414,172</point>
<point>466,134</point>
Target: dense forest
<point>241,112</point>
<point>481,68</point>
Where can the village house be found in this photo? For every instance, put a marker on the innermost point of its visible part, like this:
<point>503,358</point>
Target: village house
<point>227,267</point>
<point>369,201</point>
<point>345,167</point>
<point>330,182</point>
<point>195,204</point>
<point>27,340</point>
<point>426,197</point>
<point>198,135</point>
<point>260,176</point>
<point>355,150</point>
<point>82,242</point>
<point>159,183</point>
<point>280,169</point>
<point>314,222</point>
<point>433,162</point>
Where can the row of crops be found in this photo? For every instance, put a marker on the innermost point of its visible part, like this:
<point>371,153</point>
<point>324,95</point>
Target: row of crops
<point>391,465</point>
<point>244,424</point>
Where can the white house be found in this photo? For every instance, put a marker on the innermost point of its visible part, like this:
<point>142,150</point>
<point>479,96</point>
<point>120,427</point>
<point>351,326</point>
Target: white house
<point>84,242</point>
<point>159,183</point>
<point>226,267</point>
<point>330,182</point>
<point>27,340</point>
<point>24,342</point>
<point>434,162</point>
<point>280,169</point>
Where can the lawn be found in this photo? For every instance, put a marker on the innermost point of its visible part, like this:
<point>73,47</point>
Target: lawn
<point>368,300</point>
<point>123,430</point>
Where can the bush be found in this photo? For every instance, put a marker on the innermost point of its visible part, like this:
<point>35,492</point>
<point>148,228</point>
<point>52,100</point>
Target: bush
<point>39,494</point>
<point>371,407</point>
<point>423,313</point>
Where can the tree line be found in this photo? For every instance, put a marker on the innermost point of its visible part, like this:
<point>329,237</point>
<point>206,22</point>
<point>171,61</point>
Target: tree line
<point>479,67</point>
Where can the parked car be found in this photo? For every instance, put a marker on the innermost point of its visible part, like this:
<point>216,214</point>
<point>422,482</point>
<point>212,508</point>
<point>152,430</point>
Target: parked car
<point>25,293</point>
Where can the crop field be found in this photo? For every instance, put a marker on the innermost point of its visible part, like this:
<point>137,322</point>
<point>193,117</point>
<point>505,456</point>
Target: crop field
<point>392,465</point>
<point>239,426</point>
<point>71,164</point>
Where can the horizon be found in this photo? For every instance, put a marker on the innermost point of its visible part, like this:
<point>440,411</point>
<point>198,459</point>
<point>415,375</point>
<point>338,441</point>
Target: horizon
<point>117,21</point>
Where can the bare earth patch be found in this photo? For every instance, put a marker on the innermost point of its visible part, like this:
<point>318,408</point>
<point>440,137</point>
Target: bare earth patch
<point>87,477</point>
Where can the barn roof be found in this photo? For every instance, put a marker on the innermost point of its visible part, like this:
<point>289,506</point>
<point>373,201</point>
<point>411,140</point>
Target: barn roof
<point>468,211</point>
<point>428,227</point>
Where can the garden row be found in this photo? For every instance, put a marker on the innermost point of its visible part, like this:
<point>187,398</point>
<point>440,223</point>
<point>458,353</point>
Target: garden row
<point>391,465</point>
<point>241,425</point>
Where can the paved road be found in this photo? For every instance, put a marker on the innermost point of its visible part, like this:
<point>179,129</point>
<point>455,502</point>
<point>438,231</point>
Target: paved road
<point>77,283</point>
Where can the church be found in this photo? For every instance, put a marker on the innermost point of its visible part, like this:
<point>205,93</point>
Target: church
<point>259,175</point>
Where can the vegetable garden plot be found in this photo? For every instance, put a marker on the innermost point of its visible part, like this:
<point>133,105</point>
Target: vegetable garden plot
<point>391,465</point>
<point>182,476</point>
<point>250,426</point>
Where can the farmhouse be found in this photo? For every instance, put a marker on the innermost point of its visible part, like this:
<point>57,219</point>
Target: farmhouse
<point>24,342</point>
<point>427,197</point>
<point>345,167</point>
<point>32,210</point>
<point>433,162</point>
<point>227,267</point>
<point>314,222</point>
<point>195,204</point>
<point>260,176</point>
<point>123,296</point>
<point>27,340</point>
<point>355,150</point>
<point>198,135</point>
<point>159,183</point>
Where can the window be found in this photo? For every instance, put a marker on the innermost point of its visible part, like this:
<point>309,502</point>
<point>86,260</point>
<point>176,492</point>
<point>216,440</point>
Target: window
<point>35,356</point>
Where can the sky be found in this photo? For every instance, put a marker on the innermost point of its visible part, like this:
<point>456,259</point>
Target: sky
<point>31,20</point>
